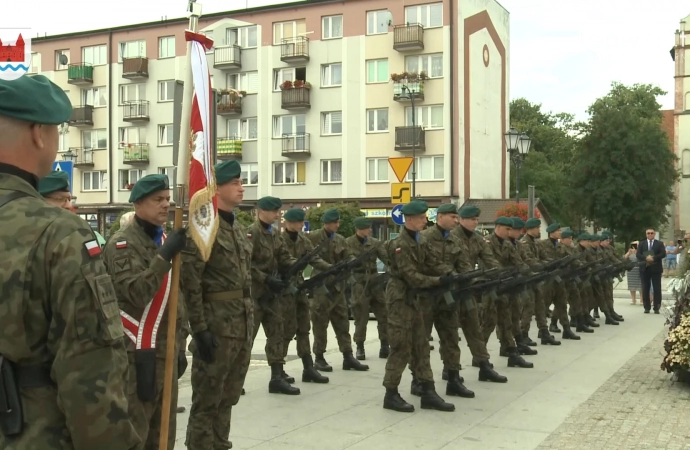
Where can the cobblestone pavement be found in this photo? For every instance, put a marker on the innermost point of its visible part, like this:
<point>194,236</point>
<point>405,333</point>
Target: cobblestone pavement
<point>639,407</point>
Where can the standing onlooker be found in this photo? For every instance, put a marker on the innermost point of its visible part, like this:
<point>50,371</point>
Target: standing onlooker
<point>651,251</point>
<point>633,275</point>
<point>670,263</point>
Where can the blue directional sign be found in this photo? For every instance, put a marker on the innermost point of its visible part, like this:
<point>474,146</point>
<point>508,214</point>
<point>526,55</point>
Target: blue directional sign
<point>306,227</point>
<point>65,166</point>
<point>397,215</point>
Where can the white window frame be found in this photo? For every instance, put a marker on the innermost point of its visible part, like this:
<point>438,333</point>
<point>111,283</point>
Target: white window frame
<point>166,91</point>
<point>422,15</point>
<point>327,171</point>
<point>436,160</point>
<point>241,128</point>
<point>63,142</point>
<point>327,121</point>
<point>96,55</point>
<point>166,47</point>
<point>165,133</point>
<point>94,93</point>
<point>285,164</point>
<point>375,63</point>
<point>170,172</point>
<point>376,18</point>
<point>327,72</point>
<point>282,75</point>
<point>425,63</point>
<point>102,177</point>
<point>327,27</point>
<point>279,36</point>
<point>245,81</point>
<point>140,90</point>
<point>375,113</point>
<point>59,66</point>
<point>380,174</point>
<point>131,174</point>
<point>423,116</point>
<point>35,62</point>
<point>295,119</point>
<point>131,49</point>
<point>249,169</point>
<point>131,135</point>
<point>240,36</point>
<point>94,144</point>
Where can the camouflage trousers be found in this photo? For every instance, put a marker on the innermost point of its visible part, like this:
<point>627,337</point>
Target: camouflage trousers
<point>409,341</point>
<point>216,388</point>
<point>556,293</point>
<point>496,314</point>
<point>574,300</point>
<point>468,316</point>
<point>533,306</point>
<point>598,297</point>
<point>435,313</point>
<point>330,308</point>
<point>608,294</point>
<point>296,323</point>
<point>365,298</point>
<point>515,303</point>
<point>270,316</point>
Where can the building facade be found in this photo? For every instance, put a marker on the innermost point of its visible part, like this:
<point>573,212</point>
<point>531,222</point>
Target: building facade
<point>681,128</point>
<point>326,94</point>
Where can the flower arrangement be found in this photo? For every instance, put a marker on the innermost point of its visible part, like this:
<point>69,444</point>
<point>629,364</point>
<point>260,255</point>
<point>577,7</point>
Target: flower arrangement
<point>230,94</point>
<point>297,84</point>
<point>129,186</point>
<point>677,345</point>
<point>409,77</point>
<point>517,210</point>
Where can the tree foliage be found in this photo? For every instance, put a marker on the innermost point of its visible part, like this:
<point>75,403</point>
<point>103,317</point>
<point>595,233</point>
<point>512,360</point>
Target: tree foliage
<point>115,227</point>
<point>348,213</point>
<point>243,217</point>
<point>624,170</point>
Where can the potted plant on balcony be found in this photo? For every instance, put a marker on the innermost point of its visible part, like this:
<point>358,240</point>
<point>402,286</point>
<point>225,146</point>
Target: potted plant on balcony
<point>409,77</point>
<point>287,84</point>
<point>129,186</point>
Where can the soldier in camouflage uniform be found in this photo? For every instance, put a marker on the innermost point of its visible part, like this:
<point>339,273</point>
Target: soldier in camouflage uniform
<point>332,306</point>
<point>220,312</point>
<point>367,295</point>
<point>588,289</point>
<point>606,244</point>
<point>55,189</point>
<point>60,330</point>
<point>604,284</point>
<point>409,339</point>
<point>296,318</point>
<point>577,309</point>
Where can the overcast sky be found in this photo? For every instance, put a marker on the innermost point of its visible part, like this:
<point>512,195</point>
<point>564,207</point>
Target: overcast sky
<point>564,53</point>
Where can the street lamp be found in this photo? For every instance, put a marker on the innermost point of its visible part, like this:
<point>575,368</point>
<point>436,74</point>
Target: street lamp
<point>410,94</point>
<point>69,155</point>
<point>517,145</point>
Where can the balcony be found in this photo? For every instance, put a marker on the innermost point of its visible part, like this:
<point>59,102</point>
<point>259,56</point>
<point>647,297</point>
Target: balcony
<point>229,103</point>
<point>82,157</point>
<point>295,145</point>
<point>80,74</point>
<point>229,148</point>
<point>82,116</point>
<point>409,37</point>
<point>135,111</point>
<point>295,97</point>
<point>294,49</point>
<point>135,154</point>
<point>227,57</point>
<point>135,68</point>
<point>402,90</point>
<point>407,138</point>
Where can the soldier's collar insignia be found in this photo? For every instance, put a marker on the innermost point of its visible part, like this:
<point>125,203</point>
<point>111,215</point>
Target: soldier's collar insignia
<point>92,248</point>
<point>121,244</point>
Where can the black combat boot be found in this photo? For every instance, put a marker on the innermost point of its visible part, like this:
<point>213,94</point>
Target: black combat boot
<point>455,386</point>
<point>287,377</point>
<point>431,339</point>
<point>487,373</point>
<point>310,374</point>
<point>243,392</point>
<point>349,362</point>
<point>415,387</point>
<point>476,363</point>
<point>395,402</point>
<point>590,321</point>
<point>547,338</point>
<point>527,340</point>
<point>515,360</point>
<point>596,313</point>
<point>523,348</point>
<point>444,374</point>
<point>361,355</point>
<point>582,325</point>
<point>385,349</point>
<point>610,320</point>
<point>617,316</point>
<point>503,352</point>
<point>321,365</point>
<point>278,385</point>
<point>554,325</point>
<point>573,321</point>
<point>431,400</point>
<point>568,333</point>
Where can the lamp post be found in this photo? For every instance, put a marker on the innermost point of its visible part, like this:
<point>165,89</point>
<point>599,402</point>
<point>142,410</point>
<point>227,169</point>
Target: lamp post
<point>410,94</point>
<point>69,156</point>
<point>517,145</point>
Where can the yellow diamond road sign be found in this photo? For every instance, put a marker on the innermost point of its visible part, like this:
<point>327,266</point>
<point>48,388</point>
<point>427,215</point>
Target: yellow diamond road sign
<point>400,193</point>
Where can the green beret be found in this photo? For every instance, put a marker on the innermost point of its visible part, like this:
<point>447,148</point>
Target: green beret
<point>567,233</point>
<point>469,212</point>
<point>607,234</point>
<point>553,227</point>
<point>34,99</point>
<point>518,223</point>
<point>603,237</point>
<point>148,185</point>
<point>332,215</point>
<point>294,215</point>
<point>362,223</point>
<point>415,208</point>
<point>55,181</point>
<point>227,171</point>
<point>504,221</point>
<point>584,237</point>
<point>447,208</point>
<point>533,223</point>
<point>269,203</point>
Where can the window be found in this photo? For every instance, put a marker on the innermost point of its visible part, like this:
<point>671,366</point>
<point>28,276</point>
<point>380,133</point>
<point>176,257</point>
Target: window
<point>428,16</point>
<point>377,170</point>
<point>250,174</point>
<point>62,142</point>
<point>245,37</point>
<point>165,134</point>
<point>428,117</point>
<point>95,97</point>
<point>332,27</point>
<point>58,64</point>
<point>431,64</point>
<point>377,71</point>
<point>94,181</point>
<point>94,139</point>
<point>247,81</point>
<point>130,177</point>
<point>132,92</point>
<point>332,123</point>
<point>289,172</point>
<point>294,124</point>
<point>332,171</point>
<point>35,63</point>
<point>131,49</point>
<point>244,129</point>
<point>332,75</point>
<point>131,135</point>
<point>166,47</point>
<point>429,168</point>
<point>290,74</point>
<point>288,30</point>
<point>171,172</point>
<point>377,120</point>
<point>96,55</point>
<point>378,22</point>
<point>166,91</point>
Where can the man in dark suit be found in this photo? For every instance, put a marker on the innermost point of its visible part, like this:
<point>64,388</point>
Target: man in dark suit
<point>651,251</point>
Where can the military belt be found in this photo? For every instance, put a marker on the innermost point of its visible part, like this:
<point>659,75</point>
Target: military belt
<point>235,294</point>
<point>33,376</point>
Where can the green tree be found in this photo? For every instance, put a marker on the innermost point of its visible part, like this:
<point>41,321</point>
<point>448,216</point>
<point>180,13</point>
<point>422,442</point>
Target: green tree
<point>624,170</point>
<point>348,212</point>
<point>243,217</point>
<point>115,227</point>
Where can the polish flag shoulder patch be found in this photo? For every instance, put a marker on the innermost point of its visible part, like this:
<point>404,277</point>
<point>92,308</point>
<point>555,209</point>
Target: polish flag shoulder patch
<point>398,250</point>
<point>249,235</point>
<point>93,248</point>
<point>121,244</point>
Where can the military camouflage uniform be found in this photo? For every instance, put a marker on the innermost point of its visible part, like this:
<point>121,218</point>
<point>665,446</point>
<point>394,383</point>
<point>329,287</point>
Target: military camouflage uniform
<point>577,309</point>
<point>587,294</point>
<point>531,252</point>
<point>555,292</point>
<point>614,258</point>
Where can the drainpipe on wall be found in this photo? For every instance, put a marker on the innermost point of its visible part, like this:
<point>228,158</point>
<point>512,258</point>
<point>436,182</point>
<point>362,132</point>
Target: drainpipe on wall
<point>111,178</point>
<point>453,57</point>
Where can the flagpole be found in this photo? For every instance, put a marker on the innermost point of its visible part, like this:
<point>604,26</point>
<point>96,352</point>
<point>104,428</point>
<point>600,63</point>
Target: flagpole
<point>194,11</point>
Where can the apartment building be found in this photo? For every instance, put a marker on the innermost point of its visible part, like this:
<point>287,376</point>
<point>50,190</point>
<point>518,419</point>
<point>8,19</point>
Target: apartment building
<point>326,97</point>
<point>680,218</point>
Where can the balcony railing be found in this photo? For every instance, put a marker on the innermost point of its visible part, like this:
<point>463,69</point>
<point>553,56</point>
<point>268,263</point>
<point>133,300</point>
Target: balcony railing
<point>80,73</point>
<point>229,104</point>
<point>133,68</point>
<point>227,148</point>
<point>135,154</point>
<point>295,98</point>
<point>407,138</point>
<point>408,37</point>
<point>294,49</point>
<point>135,111</point>
<point>403,89</point>
<point>296,144</point>
<point>82,116</point>
<point>227,57</point>
<point>82,157</point>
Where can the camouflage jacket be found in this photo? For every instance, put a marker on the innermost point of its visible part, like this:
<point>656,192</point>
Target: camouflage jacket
<point>137,274</point>
<point>218,290</point>
<point>407,261</point>
<point>301,246</point>
<point>477,248</point>
<point>356,247</point>
<point>270,256</point>
<point>530,250</point>
<point>444,253</point>
<point>505,252</point>
<point>334,251</point>
<point>614,257</point>
<point>59,311</point>
<point>552,250</point>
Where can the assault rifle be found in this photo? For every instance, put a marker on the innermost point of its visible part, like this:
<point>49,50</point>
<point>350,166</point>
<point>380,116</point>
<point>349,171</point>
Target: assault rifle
<point>461,283</point>
<point>318,281</point>
<point>298,267</point>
